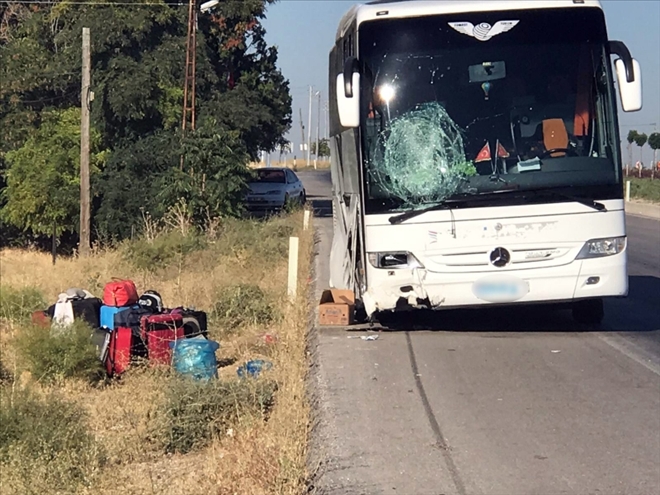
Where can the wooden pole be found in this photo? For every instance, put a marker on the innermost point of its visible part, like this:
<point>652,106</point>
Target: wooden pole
<point>54,245</point>
<point>85,209</point>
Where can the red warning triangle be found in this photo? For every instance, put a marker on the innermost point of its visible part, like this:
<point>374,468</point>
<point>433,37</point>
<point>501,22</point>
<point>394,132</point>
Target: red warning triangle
<point>502,152</point>
<point>484,154</point>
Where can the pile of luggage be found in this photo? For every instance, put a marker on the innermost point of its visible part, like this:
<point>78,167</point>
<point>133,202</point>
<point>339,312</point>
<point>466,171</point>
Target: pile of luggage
<point>127,327</point>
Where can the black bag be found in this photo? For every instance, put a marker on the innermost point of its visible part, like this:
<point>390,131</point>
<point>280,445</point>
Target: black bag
<point>131,317</point>
<point>194,322</point>
<point>88,310</point>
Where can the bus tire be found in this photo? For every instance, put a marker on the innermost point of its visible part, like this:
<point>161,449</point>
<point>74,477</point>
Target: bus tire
<point>589,311</point>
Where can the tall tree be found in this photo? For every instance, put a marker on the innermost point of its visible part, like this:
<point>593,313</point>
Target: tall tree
<point>138,62</point>
<point>640,140</point>
<point>654,143</point>
<point>43,179</point>
<point>323,147</point>
<point>632,134</point>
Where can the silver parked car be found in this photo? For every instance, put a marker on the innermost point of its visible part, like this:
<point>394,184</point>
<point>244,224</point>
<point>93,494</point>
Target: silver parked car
<point>273,189</point>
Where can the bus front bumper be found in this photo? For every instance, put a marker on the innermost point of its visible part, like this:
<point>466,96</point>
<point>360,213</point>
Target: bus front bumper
<point>420,288</point>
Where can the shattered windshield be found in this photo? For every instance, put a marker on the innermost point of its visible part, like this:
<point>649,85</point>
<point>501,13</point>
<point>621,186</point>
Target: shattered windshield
<point>466,104</point>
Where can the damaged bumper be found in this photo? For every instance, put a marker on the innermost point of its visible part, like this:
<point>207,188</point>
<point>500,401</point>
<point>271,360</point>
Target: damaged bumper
<point>396,290</point>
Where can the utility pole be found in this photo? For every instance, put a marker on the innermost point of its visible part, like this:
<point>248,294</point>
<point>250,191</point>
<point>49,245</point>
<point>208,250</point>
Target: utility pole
<point>189,82</point>
<point>326,118</point>
<point>309,129</point>
<point>85,209</point>
<point>302,131</point>
<point>318,132</point>
<point>188,114</point>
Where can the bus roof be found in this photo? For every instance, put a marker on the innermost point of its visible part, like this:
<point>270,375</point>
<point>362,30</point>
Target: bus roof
<point>417,8</point>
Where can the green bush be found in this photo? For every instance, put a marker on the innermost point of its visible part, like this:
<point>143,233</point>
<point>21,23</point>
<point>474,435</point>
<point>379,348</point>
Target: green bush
<point>45,446</point>
<point>166,248</point>
<point>67,354</point>
<point>243,304</point>
<point>197,412</point>
<point>18,304</point>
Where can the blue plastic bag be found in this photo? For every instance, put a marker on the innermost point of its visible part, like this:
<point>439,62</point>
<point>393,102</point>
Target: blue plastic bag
<point>195,358</point>
<point>253,368</point>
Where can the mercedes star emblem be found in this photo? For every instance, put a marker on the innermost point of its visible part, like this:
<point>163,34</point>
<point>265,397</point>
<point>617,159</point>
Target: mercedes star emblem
<point>500,257</point>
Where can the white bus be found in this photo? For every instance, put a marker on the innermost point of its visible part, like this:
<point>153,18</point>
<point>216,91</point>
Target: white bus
<point>476,155</point>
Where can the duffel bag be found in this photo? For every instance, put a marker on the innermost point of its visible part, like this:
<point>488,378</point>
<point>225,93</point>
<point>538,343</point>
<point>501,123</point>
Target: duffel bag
<point>120,293</point>
<point>194,322</point>
<point>87,310</point>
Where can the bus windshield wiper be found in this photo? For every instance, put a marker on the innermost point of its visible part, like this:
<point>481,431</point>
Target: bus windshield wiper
<point>413,213</point>
<point>447,204</point>
<point>591,203</point>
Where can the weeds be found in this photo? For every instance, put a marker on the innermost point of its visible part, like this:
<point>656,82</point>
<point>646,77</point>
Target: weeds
<point>50,357</point>
<point>147,413</point>
<point>645,189</point>
<point>152,255</point>
<point>243,304</point>
<point>18,304</point>
<point>196,413</point>
<point>44,444</point>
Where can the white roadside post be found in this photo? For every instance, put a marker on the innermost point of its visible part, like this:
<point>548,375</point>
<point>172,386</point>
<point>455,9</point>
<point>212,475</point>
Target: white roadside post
<point>627,190</point>
<point>306,220</point>
<point>293,268</point>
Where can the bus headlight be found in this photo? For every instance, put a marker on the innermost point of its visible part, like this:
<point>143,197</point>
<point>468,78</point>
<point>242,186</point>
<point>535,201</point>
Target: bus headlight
<point>394,260</point>
<point>597,248</point>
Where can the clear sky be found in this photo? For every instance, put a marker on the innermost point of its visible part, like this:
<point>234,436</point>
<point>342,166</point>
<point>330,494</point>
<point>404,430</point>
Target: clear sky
<point>304,31</point>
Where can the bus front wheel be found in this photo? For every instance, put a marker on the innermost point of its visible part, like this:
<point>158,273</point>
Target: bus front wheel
<point>589,311</point>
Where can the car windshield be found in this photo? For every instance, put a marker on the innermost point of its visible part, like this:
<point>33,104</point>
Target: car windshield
<point>464,104</point>
<point>271,176</point>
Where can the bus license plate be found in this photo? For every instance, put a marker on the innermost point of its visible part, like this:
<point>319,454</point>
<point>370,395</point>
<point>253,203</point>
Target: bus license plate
<point>500,289</point>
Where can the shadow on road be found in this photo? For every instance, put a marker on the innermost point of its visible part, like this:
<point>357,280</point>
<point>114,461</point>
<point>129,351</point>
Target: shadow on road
<point>637,313</point>
<point>322,206</point>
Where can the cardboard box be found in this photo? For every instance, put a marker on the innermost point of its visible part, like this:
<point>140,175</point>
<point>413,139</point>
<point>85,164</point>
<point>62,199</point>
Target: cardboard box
<point>337,308</point>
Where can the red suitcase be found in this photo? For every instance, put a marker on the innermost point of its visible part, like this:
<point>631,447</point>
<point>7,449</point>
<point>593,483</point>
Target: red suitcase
<point>157,333</point>
<point>120,350</point>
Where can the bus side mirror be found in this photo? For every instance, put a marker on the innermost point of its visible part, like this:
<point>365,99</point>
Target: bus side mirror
<point>629,76</point>
<point>348,94</point>
<point>630,92</point>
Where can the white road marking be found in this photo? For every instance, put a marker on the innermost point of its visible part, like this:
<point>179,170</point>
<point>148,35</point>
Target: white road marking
<point>633,351</point>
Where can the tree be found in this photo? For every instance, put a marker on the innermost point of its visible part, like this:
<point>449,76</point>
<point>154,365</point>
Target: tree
<point>138,61</point>
<point>43,178</point>
<point>632,134</point>
<point>323,146</point>
<point>654,143</point>
<point>640,140</point>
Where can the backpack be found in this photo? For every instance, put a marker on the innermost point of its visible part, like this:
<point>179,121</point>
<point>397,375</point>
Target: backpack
<point>152,301</point>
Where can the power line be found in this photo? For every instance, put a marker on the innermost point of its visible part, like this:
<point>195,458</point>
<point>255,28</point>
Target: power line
<point>106,3</point>
<point>43,100</point>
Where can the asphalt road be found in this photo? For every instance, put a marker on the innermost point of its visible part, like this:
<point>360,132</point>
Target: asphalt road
<point>510,402</point>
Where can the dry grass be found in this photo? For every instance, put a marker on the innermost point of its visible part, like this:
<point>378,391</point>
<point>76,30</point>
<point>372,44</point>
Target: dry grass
<point>259,455</point>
